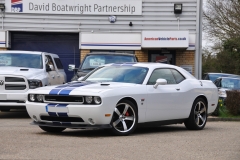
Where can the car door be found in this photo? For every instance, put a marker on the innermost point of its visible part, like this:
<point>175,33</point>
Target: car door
<point>52,73</point>
<point>166,101</point>
<point>61,75</point>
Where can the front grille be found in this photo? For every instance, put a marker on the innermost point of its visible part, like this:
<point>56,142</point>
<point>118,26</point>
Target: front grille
<point>75,99</point>
<point>61,119</point>
<point>15,87</point>
<point>14,79</point>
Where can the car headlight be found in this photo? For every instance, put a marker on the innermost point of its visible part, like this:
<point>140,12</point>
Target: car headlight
<point>97,100</point>
<point>222,93</point>
<point>34,83</point>
<point>35,98</point>
<point>92,100</point>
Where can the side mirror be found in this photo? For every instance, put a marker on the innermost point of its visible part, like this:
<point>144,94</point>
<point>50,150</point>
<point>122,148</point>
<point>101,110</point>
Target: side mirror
<point>160,82</point>
<point>48,68</point>
<point>71,67</point>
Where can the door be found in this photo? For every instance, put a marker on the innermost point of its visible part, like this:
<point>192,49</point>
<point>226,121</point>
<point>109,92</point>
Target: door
<point>52,74</point>
<point>162,56</point>
<point>65,45</point>
<point>166,101</point>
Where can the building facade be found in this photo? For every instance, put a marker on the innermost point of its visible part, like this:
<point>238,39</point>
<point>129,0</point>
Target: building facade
<point>151,29</point>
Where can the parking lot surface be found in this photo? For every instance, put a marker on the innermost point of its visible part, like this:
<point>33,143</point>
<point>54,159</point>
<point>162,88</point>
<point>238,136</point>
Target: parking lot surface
<point>20,140</point>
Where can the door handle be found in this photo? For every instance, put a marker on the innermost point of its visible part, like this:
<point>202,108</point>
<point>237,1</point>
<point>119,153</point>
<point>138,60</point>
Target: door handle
<point>53,76</point>
<point>178,89</point>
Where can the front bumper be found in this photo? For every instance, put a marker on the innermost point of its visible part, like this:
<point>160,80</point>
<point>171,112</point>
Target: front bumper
<point>73,126</point>
<point>13,100</point>
<point>64,115</point>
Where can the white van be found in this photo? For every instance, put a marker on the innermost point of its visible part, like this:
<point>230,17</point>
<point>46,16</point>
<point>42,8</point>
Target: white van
<point>24,70</point>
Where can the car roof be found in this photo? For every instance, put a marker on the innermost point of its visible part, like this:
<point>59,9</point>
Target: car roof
<point>24,52</point>
<point>110,53</point>
<point>221,73</point>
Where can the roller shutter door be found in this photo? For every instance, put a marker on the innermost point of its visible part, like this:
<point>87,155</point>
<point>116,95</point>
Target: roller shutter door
<point>65,45</point>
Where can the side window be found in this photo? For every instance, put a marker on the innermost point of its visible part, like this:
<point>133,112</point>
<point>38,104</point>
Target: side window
<point>161,73</point>
<point>49,62</point>
<point>58,63</point>
<point>178,76</point>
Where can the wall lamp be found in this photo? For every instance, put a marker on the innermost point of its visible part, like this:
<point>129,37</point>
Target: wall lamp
<point>130,24</point>
<point>2,6</point>
<point>178,8</point>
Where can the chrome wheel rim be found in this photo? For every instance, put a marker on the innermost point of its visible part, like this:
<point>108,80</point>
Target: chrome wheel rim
<point>200,114</point>
<point>124,117</point>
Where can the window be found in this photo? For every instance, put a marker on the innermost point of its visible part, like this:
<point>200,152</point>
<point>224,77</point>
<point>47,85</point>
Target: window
<point>49,62</point>
<point>162,73</point>
<point>178,76</point>
<point>58,63</point>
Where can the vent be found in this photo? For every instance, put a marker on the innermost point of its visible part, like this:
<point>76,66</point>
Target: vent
<point>74,99</point>
<point>15,87</point>
<point>14,79</point>
<point>24,69</point>
<point>61,119</point>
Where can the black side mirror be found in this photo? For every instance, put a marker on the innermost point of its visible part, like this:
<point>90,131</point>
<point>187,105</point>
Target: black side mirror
<point>48,68</point>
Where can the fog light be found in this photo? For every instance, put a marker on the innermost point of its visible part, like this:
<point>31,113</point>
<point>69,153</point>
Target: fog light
<point>89,99</point>
<point>32,97</point>
<point>40,97</point>
<point>90,120</point>
<point>97,100</point>
<point>35,118</point>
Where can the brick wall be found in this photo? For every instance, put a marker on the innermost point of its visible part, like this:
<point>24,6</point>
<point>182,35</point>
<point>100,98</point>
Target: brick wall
<point>184,57</point>
<point>142,55</point>
<point>83,53</point>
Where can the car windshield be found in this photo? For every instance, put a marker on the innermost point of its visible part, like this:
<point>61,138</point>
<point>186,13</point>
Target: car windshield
<point>21,60</point>
<point>93,61</point>
<point>230,83</point>
<point>213,77</point>
<point>124,74</point>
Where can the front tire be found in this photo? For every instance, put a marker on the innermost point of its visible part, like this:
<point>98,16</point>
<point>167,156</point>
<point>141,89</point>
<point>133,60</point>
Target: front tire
<point>125,118</point>
<point>52,129</point>
<point>198,116</point>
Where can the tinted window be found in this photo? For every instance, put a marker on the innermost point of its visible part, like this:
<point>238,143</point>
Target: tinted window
<point>21,60</point>
<point>161,73</point>
<point>178,76</point>
<point>93,61</point>
<point>58,63</point>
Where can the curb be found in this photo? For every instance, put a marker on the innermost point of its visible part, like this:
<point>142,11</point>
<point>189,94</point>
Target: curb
<point>212,119</point>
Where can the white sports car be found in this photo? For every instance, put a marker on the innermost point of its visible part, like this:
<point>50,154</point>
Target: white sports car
<point>123,96</point>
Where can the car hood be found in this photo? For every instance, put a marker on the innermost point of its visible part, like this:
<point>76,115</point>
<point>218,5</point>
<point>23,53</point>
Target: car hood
<point>29,73</point>
<point>80,87</point>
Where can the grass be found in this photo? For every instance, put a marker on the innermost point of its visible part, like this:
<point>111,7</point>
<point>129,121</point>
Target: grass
<point>224,113</point>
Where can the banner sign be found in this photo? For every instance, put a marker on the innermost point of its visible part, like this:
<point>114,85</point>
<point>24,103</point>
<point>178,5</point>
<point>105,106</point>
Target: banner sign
<point>165,39</point>
<point>92,7</point>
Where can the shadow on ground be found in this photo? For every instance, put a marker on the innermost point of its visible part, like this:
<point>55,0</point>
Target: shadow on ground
<point>14,114</point>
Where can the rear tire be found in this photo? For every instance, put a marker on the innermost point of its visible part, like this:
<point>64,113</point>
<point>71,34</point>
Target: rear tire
<point>198,116</point>
<point>52,129</point>
<point>125,118</point>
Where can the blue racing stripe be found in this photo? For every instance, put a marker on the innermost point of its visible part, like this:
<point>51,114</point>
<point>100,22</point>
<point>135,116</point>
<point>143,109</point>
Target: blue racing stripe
<point>54,114</point>
<point>54,91</point>
<point>62,114</point>
<point>62,105</point>
<point>66,91</point>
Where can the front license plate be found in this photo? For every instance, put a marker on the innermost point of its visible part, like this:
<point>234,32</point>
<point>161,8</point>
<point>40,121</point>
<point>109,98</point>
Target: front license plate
<point>58,109</point>
<point>3,97</point>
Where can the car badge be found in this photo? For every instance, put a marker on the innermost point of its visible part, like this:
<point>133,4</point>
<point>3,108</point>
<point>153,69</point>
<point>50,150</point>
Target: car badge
<point>1,82</point>
<point>112,19</point>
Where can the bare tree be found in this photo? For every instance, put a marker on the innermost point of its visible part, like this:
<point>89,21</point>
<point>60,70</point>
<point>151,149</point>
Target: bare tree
<point>222,19</point>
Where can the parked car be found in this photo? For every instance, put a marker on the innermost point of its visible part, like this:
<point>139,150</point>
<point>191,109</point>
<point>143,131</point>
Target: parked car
<point>95,59</point>
<point>226,83</point>
<point>24,70</point>
<point>214,76</point>
<point>123,96</point>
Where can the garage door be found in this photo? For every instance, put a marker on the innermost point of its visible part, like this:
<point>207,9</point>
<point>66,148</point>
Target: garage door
<point>65,45</point>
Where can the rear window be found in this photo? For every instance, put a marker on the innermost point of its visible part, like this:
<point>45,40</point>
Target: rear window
<point>93,61</point>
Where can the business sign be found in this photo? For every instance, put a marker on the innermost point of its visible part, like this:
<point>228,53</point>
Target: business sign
<point>165,39</point>
<point>110,41</point>
<point>92,7</point>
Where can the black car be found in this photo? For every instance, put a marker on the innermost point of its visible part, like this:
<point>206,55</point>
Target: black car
<point>214,76</point>
<point>95,59</point>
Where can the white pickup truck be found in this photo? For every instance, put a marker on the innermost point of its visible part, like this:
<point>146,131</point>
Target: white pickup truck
<point>24,70</point>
